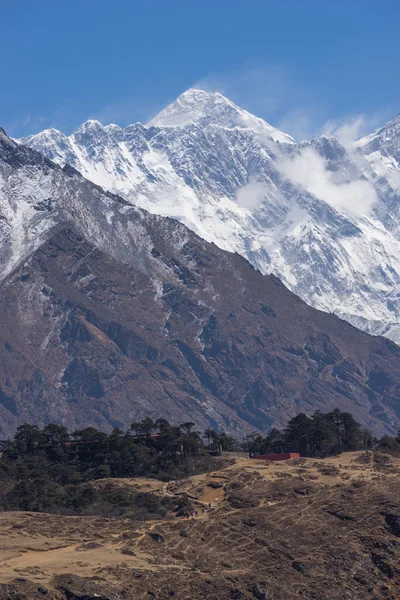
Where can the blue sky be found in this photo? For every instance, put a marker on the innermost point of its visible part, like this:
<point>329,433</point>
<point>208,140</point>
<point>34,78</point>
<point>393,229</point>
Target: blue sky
<point>303,65</point>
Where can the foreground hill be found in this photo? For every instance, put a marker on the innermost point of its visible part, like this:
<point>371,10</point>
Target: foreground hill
<point>326,530</point>
<point>109,313</point>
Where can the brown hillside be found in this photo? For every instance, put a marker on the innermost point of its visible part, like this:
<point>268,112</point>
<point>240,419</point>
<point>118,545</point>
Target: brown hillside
<point>312,529</point>
<point>85,339</point>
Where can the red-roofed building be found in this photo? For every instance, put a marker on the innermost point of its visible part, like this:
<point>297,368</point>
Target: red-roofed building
<point>283,456</point>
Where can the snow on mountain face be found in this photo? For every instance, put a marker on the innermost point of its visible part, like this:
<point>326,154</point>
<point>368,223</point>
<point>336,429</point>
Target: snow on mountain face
<point>24,223</point>
<point>205,108</point>
<point>38,198</point>
<point>382,150</point>
<point>324,218</point>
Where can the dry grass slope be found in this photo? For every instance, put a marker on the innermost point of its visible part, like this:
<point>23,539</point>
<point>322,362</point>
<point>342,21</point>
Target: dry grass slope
<point>311,529</point>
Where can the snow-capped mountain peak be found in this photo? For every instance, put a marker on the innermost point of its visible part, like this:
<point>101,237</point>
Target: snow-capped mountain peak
<point>47,134</point>
<point>204,108</point>
<point>193,106</point>
<point>90,125</point>
<point>323,217</point>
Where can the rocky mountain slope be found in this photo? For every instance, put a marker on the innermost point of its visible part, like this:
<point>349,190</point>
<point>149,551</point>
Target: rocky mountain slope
<point>322,217</point>
<point>109,313</point>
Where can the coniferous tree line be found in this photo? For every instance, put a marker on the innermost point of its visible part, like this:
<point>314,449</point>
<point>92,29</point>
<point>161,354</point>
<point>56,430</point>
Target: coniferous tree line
<point>320,435</point>
<point>52,470</point>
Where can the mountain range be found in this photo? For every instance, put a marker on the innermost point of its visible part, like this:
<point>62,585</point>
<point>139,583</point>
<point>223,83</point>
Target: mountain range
<point>109,313</point>
<point>322,215</point>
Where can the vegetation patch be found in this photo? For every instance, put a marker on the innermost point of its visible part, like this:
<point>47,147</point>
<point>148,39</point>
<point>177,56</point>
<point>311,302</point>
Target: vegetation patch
<point>50,470</point>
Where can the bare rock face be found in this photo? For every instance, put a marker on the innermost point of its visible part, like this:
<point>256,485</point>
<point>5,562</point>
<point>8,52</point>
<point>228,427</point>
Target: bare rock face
<point>108,314</point>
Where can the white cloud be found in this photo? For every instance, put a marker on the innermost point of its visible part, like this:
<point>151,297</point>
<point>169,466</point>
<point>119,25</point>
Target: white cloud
<point>347,132</point>
<point>251,195</point>
<point>350,129</point>
<point>308,170</point>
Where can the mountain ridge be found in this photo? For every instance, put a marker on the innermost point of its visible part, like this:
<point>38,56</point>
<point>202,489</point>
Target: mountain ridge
<point>109,313</point>
<point>323,217</point>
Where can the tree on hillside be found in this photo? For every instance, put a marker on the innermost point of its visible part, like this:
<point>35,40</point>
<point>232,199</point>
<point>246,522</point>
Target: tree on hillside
<point>351,432</point>
<point>55,434</point>
<point>188,426</point>
<point>211,435</point>
<point>146,426</point>
<point>27,438</point>
<point>335,418</point>
<point>321,433</point>
<point>86,439</point>
<point>135,426</point>
<point>225,442</point>
<point>298,433</point>
<point>162,425</point>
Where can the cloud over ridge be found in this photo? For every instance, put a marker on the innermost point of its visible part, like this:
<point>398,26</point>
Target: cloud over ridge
<point>309,171</point>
